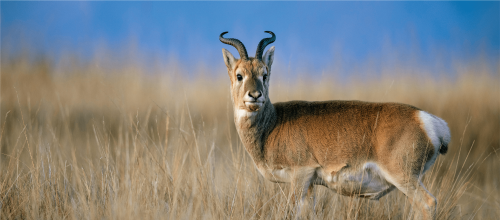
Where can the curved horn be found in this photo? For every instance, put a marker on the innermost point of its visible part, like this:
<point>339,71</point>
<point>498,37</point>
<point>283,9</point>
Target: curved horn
<point>235,43</point>
<point>263,44</point>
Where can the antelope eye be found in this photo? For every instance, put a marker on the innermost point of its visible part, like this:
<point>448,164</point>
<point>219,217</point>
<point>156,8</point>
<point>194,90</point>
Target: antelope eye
<point>239,77</point>
<point>264,77</point>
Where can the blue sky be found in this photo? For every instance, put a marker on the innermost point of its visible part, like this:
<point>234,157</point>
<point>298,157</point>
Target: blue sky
<point>313,35</point>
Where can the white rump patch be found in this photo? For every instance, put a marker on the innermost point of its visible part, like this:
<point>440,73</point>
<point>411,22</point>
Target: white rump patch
<point>438,132</point>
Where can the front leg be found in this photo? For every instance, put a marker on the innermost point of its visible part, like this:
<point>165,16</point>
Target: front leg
<point>302,186</point>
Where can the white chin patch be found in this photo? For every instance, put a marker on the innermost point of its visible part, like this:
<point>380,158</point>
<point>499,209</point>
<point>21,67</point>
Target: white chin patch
<point>243,113</point>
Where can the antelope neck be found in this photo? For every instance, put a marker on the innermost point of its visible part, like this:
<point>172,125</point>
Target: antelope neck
<point>253,133</point>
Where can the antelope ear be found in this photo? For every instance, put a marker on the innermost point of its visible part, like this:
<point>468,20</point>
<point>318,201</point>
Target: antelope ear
<point>228,59</point>
<point>269,57</point>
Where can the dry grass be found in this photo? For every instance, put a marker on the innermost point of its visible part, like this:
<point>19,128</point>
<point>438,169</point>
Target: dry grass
<point>118,143</point>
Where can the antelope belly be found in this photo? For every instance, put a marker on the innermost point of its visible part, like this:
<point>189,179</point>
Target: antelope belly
<point>367,181</point>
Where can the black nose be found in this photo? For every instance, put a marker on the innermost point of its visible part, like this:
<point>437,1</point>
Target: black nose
<point>255,94</point>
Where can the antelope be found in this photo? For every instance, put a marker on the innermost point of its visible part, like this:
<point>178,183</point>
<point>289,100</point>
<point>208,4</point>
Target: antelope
<point>354,148</point>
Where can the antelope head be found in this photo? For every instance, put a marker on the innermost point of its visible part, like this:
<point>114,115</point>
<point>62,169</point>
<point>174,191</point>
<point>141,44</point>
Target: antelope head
<point>249,76</point>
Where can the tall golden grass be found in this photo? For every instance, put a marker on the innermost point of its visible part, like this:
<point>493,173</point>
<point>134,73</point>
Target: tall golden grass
<point>84,142</point>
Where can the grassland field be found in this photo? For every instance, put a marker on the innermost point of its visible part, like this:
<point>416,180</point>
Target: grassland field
<point>84,142</point>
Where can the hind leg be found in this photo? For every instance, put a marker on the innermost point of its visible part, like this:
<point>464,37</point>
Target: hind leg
<point>424,203</point>
<point>430,202</point>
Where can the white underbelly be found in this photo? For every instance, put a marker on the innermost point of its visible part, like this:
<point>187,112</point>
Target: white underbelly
<point>275,175</point>
<point>286,174</point>
<point>367,181</point>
